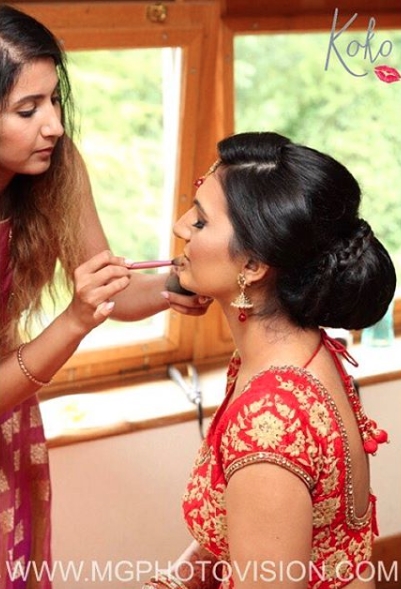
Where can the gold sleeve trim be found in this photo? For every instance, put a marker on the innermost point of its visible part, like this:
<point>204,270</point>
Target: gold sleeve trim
<point>273,459</point>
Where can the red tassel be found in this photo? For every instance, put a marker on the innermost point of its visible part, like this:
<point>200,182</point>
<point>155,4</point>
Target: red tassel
<point>380,436</point>
<point>370,446</point>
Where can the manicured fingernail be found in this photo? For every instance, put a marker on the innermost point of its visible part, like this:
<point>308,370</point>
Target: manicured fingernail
<point>165,295</point>
<point>105,308</point>
<point>128,262</point>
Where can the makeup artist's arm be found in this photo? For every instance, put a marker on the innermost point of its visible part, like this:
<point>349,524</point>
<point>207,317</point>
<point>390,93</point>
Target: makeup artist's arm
<point>96,283</point>
<point>143,296</point>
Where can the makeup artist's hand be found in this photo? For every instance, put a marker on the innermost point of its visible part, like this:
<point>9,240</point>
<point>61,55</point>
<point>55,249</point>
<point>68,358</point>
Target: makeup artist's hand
<point>188,304</point>
<point>182,300</point>
<point>96,282</point>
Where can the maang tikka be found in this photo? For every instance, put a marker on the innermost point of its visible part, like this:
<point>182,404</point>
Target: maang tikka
<point>211,170</point>
<point>242,302</point>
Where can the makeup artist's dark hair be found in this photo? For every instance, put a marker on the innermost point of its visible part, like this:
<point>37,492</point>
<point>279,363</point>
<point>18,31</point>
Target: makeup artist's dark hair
<point>296,209</point>
<point>44,209</point>
<point>23,40</point>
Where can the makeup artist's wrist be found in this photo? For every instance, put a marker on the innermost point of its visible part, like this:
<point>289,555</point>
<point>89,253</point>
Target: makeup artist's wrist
<point>73,326</point>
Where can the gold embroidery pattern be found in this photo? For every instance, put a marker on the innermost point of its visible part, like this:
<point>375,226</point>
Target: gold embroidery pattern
<point>38,453</point>
<point>7,520</point>
<point>267,430</point>
<point>325,511</point>
<point>302,395</point>
<point>18,498</point>
<point>35,418</point>
<point>17,421</point>
<point>17,460</point>
<point>203,454</point>
<point>4,486</point>
<point>286,418</point>
<point>7,430</point>
<point>19,533</point>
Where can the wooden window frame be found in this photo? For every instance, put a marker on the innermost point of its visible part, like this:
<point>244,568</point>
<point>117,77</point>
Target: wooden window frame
<point>205,30</point>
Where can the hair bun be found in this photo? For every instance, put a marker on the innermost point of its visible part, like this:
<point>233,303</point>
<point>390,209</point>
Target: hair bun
<point>360,240</point>
<point>347,249</point>
<point>364,231</point>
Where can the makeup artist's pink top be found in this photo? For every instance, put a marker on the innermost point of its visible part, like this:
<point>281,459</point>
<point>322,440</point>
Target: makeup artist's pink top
<point>24,473</point>
<point>286,417</point>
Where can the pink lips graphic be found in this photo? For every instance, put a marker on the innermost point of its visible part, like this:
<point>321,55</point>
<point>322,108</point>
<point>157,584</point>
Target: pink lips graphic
<point>387,74</point>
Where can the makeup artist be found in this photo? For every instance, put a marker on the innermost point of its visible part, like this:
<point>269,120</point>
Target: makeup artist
<point>280,495</point>
<point>47,215</point>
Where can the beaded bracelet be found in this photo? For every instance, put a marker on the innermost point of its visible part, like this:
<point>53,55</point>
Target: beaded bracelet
<point>25,370</point>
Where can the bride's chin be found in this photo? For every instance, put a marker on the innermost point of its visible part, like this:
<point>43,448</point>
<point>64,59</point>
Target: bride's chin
<point>173,284</point>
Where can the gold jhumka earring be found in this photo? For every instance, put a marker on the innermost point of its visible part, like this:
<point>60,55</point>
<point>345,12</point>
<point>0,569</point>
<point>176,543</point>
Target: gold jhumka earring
<point>242,302</point>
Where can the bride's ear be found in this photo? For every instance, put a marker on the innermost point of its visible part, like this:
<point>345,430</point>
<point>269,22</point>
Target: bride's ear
<point>255,270</point>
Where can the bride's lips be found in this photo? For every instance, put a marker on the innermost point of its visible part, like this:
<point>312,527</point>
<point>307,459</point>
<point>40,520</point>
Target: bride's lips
<point>178,261</point>
<point>173,280</point>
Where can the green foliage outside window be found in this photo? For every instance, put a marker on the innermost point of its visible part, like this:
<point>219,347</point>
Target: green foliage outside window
<point>119,106</point>
<point>282,85</point>
<point>118,96</point>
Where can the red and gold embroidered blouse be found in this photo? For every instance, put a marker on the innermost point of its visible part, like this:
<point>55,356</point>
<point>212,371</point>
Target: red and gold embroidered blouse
<point>286,417</point>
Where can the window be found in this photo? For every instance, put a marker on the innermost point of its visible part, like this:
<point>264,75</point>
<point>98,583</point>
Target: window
<point>128,104</point>
<point>281,84</point>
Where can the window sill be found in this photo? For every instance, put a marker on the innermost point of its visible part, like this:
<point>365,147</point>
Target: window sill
<point>160,402</point>
<point>156,403</point>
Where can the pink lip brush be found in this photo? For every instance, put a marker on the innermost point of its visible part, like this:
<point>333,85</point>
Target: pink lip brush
<point>152,264</point>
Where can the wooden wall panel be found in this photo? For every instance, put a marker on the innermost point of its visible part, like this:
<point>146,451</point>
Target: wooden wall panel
<point>238,8</point>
